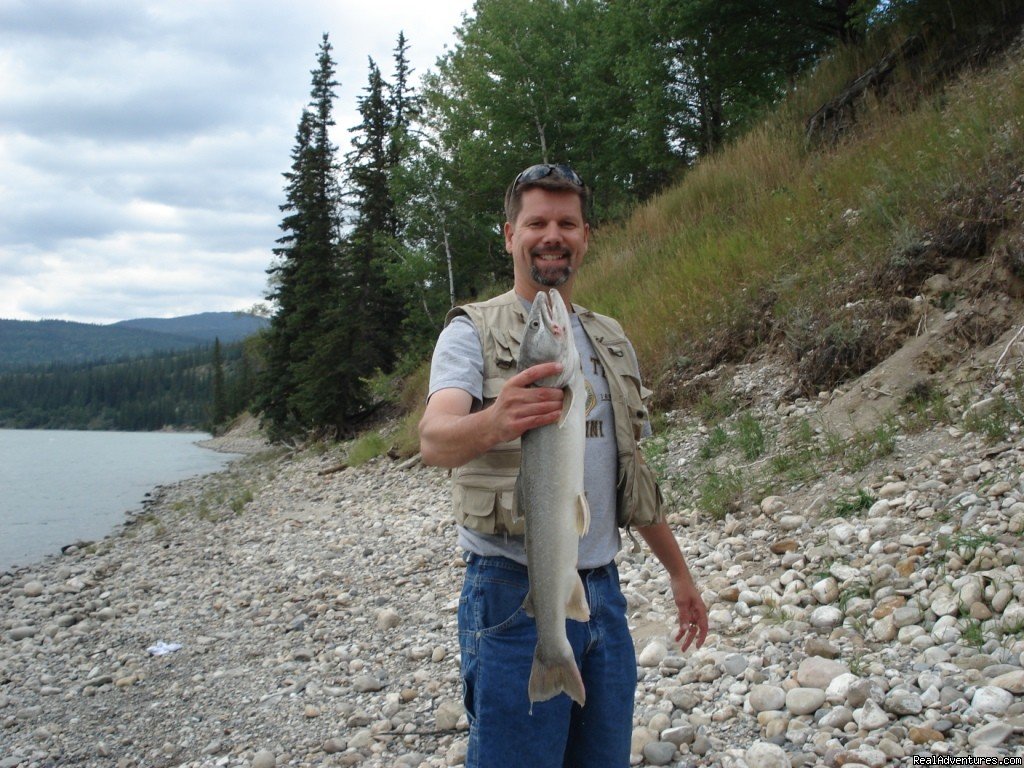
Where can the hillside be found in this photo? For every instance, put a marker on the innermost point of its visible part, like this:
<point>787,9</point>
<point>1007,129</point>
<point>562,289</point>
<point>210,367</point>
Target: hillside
<point>206,326</point>
<point>32,343</point>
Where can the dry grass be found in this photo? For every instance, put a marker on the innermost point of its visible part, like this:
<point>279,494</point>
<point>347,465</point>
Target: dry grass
<point>804,228</point>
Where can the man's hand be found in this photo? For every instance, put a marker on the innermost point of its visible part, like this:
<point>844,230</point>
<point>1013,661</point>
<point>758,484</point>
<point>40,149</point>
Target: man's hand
<point>452,434</point>
<point>520,406</point>
<point>693,614</point>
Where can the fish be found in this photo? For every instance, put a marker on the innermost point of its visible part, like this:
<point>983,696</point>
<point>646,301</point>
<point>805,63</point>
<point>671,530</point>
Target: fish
<point>549,495</point>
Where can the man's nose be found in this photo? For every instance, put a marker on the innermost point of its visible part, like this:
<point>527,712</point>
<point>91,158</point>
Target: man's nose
<point>553,233</point>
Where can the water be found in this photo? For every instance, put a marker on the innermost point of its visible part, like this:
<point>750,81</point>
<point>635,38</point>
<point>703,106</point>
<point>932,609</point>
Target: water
<point>58,487</point>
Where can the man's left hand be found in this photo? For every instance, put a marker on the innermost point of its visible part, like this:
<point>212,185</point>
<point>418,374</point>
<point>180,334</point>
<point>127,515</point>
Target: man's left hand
<point>693,614</point>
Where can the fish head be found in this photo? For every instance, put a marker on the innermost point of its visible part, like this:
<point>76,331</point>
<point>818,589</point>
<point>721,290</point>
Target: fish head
<point>548,337</point>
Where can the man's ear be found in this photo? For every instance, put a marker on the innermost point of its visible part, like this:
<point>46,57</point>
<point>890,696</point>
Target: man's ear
<point>508,236</point>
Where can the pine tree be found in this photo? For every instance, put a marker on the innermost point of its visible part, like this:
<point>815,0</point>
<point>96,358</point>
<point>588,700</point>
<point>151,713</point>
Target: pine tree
<point>294,389</point>
<point>371,246</point>
<point>220,397</point>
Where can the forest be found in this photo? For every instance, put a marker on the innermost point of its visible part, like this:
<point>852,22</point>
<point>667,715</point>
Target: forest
<point>193,389</point>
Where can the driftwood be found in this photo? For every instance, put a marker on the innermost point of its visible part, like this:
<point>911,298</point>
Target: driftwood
<point>331,470</point>
<point>833,119</point>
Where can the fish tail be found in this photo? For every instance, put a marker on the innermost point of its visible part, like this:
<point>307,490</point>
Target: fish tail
<point>550,677</point>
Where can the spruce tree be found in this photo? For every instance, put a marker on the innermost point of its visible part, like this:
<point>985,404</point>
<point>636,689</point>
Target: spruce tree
<point>220,397</point>
<point>295,389</point>
<point>371,246</point>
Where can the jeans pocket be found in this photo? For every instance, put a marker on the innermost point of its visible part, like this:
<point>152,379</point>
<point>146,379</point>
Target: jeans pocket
<point>492,603</point>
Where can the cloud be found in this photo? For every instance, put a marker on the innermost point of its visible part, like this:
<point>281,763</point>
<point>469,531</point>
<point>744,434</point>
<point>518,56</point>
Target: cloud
<point>142,143</point>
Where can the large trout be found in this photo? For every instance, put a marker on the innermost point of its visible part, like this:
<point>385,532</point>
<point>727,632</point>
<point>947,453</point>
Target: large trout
<point>549,493</point>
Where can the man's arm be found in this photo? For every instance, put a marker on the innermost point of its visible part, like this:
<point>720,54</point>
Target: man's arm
<point>451,433</point>
<point>693,614</point>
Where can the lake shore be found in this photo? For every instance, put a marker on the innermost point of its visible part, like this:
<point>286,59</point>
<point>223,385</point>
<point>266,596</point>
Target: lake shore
<point>290,611</point>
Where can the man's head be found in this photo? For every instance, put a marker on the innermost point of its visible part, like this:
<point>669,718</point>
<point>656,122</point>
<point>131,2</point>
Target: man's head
<point>545,176</point>
<point>546,232</point>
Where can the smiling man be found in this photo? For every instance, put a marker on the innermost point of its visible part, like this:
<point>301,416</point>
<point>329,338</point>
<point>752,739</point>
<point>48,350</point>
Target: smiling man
<point>478,407</point>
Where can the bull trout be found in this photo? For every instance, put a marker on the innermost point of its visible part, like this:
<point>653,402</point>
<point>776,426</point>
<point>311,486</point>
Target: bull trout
<point>549,494</point>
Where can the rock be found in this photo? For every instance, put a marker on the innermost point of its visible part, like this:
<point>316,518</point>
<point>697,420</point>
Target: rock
<point>367,684</point>
<point>990,735</point>
<point>870,717</point>
<point>804,701</point>
<point>990,700</point>
<point>924,735</point>
<point>818,672</point>
<point>33,588</point>
<point>653,654</point>
<point>764,698</point>
<point>1010,681</point>
<point>447,714</point>
<point>641,738</point>
<point>762,754</point>
<point>22,633</point>
<point>659,752</point>
<point>263,759</point>
<point>902,702</point>
<point>388,618</point>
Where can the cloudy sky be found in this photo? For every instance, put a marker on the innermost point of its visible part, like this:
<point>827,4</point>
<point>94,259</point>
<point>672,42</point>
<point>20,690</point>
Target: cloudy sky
<point>142,141</point>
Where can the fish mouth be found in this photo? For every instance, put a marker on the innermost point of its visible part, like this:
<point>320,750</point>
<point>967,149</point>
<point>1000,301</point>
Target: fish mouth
<point>552,306</point>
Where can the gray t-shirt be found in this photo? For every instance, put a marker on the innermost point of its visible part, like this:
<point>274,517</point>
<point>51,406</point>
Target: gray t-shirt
<point>458,363</point>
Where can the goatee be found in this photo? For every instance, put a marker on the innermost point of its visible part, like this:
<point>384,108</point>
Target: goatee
<point>548,279</point>
<point>553,276</point>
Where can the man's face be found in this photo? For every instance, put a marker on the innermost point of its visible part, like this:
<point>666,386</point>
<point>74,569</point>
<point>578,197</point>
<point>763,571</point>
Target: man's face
<point>547,240</point>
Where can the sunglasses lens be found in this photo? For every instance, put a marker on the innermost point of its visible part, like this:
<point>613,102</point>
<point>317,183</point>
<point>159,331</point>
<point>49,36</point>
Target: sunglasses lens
<point>543,170</point>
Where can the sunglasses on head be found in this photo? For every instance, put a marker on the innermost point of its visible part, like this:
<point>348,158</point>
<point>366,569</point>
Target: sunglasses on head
<point>543,170</point>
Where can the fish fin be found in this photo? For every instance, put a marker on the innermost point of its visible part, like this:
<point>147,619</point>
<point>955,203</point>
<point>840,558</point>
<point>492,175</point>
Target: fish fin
<point>548,678</point>
<point>567,403</point>
<point>582,515</point>
<point>576,608</point>
<point>517,500</point>
<point>528,604</point>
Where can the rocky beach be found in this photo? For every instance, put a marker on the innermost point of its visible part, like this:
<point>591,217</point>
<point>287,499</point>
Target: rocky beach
<point>289,611</point>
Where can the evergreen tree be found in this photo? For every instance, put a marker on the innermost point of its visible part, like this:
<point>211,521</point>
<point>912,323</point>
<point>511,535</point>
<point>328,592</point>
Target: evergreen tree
<point>377,309</point>
<point>220,398</point>
<point>295,388</point>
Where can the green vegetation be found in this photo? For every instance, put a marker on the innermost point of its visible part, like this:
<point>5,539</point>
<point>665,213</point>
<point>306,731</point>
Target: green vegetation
<point>860,502</point>
<point>996,422</point>
<point>366,447</point>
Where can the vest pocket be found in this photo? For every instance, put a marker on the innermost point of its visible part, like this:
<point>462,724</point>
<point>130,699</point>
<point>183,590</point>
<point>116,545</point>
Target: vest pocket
<point>486,510</point>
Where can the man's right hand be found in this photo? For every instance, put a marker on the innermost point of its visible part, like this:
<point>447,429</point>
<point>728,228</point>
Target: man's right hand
<point>520,406</point>
<point>451,434</point>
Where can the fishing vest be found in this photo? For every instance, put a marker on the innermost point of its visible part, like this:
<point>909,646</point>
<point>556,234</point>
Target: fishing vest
<point>483,490</point>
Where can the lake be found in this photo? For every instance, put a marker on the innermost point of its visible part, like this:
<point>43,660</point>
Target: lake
<point>58,487</point>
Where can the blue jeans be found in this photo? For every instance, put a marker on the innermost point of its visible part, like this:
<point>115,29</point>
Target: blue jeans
<point>497,638</point>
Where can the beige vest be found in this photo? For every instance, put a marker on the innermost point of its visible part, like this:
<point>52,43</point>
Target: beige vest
<point>483,489</point>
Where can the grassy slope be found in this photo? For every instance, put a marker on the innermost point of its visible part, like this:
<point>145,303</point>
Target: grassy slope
<point>775,234</point>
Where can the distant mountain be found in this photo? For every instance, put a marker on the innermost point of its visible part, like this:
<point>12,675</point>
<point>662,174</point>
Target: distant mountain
<point>226,326</point>
<point>29,343</point>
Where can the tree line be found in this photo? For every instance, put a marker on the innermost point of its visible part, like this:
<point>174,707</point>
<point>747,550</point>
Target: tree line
<point>197,389</point>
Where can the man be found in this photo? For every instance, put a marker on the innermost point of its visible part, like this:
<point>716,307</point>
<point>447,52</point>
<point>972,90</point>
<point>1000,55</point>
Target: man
<point>478,407</point>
